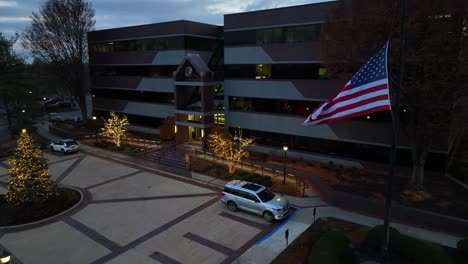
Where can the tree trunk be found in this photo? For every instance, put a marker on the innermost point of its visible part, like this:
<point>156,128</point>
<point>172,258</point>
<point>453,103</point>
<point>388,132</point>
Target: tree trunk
<point>419,156</point>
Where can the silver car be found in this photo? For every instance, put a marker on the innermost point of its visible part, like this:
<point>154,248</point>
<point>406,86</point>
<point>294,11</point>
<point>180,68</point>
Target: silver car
<point>254,198</point>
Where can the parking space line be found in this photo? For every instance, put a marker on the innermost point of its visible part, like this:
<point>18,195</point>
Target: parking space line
<point>156,232</point>
<point>210,244</point>
<point>278,227</point>
<point>92,234</point>
<point>112,180</point>
<point>152,198</point>
<point>69,169</point>
<point>63,160</point>
<point>243,220</point>
<point>160,257</point>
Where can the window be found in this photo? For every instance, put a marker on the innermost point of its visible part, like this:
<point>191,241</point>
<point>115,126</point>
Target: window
<point>137,96</point>
<point>273,35</point>
<point>274,106</point>
<point>219,118</point>
<point>236,38</point>
<point>266,195</point>
<point>143,71</point>
<point>273,71</point>
<point>252,197</point>
<point>160,43</point>
<point>138,120</point>
<point>262,71</point>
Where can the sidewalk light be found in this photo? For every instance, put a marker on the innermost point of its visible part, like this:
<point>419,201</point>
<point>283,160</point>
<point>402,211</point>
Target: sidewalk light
<point>285,148</point>
<point>5,257</point>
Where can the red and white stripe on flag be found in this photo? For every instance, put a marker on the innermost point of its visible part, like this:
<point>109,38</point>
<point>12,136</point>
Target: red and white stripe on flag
<point>365,93</point>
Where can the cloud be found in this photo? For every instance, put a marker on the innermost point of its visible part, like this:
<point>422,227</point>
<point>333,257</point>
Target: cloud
<point>14,19</point>
<point>4,3</point>
<point>220,7</point>
<point>122,13</point>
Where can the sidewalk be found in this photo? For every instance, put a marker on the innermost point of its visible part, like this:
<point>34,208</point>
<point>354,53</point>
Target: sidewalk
<point>268,248</point>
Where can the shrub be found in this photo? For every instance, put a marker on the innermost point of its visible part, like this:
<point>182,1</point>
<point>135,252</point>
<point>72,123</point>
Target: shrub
<point>257,178</point>
<point>244,176</point>
<point>267,182</point>
<point>462,246</point>
<point>331,248</point>
<point>414,250</point>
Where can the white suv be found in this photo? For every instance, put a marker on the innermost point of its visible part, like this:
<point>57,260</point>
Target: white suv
<point>256,199</point>
<point>65,146</point>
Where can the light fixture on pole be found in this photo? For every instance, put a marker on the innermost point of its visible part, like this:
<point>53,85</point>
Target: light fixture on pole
<point>285,148</point>
<point>5,257</point>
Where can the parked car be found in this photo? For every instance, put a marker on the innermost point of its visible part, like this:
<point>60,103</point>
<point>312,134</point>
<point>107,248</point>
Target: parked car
<point>65,146</point>
<point>254,198</point>
<point>55,117</point>
<point>53,100</point>
<point>59,104</point>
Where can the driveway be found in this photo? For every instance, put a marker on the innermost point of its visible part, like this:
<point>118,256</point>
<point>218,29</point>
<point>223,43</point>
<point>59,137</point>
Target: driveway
<point>134,215</point>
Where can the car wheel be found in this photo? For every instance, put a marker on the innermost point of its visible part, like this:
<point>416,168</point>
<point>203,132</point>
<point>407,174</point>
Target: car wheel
<point>268,217</point>
<point>51,148</point>
<point>232,206</point>
<point>63,151</point>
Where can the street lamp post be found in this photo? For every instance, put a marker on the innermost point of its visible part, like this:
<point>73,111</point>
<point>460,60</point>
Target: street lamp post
<point>95,129</point>
<point>285,148</point>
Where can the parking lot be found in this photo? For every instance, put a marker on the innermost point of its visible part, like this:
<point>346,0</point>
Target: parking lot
<point>135,215</point>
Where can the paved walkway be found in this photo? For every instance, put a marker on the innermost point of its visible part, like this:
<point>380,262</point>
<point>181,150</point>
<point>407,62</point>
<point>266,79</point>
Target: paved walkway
<point>109,220</point>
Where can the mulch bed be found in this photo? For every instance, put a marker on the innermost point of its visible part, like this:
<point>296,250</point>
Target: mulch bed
<point>12,215</point>
<point>218,171</point>
<point>440,194</point>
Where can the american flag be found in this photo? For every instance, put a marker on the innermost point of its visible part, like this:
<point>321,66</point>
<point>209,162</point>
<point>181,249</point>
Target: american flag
<point>365,93</point>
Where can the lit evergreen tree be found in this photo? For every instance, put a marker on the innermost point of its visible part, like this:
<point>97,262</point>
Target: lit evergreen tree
<point>29,180</point>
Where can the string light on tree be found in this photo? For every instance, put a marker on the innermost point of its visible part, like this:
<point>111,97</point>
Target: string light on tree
<point>115,127</point>
<point>231,148</point>
<point>29,180</point>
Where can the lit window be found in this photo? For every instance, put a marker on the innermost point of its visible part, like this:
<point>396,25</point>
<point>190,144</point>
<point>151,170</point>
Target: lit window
<point>262,71</point>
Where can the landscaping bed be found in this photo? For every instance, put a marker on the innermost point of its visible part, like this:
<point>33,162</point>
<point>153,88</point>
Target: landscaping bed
<point>125,148</point>
<point>12,215</point>
<point>331,240</point>
<point>219,171</point>
<point>440,194</point>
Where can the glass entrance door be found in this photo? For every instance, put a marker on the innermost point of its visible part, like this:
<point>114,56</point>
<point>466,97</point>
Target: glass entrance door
<point>195,133</point>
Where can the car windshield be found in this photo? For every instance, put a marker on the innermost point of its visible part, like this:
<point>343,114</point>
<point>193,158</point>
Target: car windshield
<point>266,195</point>
<point>69,143</point>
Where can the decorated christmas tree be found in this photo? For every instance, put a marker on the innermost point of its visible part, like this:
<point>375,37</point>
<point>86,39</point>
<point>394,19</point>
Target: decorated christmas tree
<point>29,180</point>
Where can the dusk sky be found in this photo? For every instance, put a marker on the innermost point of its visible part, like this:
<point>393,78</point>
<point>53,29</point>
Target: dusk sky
<point>14,14</point>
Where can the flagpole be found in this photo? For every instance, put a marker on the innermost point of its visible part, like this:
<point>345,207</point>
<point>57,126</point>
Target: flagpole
<point>395,125</point>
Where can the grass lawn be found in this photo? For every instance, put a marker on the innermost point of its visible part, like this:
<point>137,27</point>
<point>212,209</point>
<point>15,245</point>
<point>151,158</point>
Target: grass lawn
<point>12,215</point>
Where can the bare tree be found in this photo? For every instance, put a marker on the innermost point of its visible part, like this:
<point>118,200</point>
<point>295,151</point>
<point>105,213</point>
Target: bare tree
<point>231,148</point>
<point>436,68</point>
<point>115,127</point>
<point>14,89</point>
<point>58,35</point>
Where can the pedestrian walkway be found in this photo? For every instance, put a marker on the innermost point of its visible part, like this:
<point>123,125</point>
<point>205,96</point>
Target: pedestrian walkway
<point>269,247</point>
